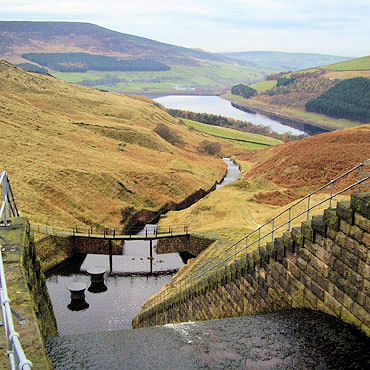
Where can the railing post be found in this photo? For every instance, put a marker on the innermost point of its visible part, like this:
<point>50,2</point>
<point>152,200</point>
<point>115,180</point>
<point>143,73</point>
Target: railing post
<point>308,206</point>
<point>359,177</point>
<point>246,244</point>
<point>272,229</point>
<point>259,235</point>
<point>289,217</point>
<point>331,192</point>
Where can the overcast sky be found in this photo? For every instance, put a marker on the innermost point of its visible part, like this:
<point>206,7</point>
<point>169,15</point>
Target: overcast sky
<point>339,27</point>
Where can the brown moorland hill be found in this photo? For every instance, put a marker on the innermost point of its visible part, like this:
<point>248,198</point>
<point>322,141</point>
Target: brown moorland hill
<point>305,165</point>
<point>80,156</point>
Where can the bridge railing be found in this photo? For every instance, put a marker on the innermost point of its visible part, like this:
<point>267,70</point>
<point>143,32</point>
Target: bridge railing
<point>8,207</point>
<point>276,226</point>
<point>148,230</point>
<point>16,356</point>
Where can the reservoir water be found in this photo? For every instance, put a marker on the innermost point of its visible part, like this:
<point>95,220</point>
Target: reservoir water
<point>115,308</point>
<point>219,106</point>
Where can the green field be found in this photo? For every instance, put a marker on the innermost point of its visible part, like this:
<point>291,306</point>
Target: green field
<point>213,78</point>
<point>237,138</point>
<point>263,85</point>
<point>358,64</point>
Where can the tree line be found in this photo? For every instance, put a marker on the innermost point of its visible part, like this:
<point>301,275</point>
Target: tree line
<point>217,120</point>
<point>348,99</point>
<point>83,62</point>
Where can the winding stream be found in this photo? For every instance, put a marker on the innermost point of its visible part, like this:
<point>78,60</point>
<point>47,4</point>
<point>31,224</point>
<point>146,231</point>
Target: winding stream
<point>114,308</point>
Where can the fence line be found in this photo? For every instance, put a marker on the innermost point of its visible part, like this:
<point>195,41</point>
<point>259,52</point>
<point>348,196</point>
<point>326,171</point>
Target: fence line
<point>16,356</point>
<point>243,246</point>
<point>152,230</point>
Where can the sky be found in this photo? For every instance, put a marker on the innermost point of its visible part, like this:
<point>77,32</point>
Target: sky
<point>337,27</point>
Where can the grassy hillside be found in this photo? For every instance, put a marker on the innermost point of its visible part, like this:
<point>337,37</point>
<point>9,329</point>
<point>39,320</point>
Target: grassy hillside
<point>285,61</point>
<point>213,78</point>
<point>288,95</point>
<point>273,179</point>
<point>358,64</point>
<point>233,141</point>
<point>79,156</point>
<point>21,37</point>
<point>194,71</point>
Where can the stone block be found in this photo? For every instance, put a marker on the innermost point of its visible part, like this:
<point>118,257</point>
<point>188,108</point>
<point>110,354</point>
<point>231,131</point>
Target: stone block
<point>318,225</point>
<point>355,279</point>
<point>297,236</point>
<point>311,298</point>
<point>366,240</point>
<point>319,293</point>
<point>361,314</point>
<point>333,304</point>
<point>331,219</point>
<point>288,241</point>
<point>364,270</point>
<point>279,249</point>
<point>307,231</point>
<point>352,230</point>
<point>350,259</point>
<point>362,222</point>
<point>345,212</point>
<point>330,233</point>
<point>341,268</point>
<point>322,306</point>
<point>360,202</point>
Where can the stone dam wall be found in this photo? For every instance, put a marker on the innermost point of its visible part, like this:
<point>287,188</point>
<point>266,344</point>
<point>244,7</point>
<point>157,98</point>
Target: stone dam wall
<point>323,265</point>
<point>28,294</point>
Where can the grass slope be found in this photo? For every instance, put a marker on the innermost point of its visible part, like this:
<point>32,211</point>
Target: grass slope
<point>18,37</point>
<point>213,78</point>
<point>284,60</point>
<point>289,101</point>
<point>272,180</point>
<point>79,156</point>
<point>233,139</point>
<point>358,64</point>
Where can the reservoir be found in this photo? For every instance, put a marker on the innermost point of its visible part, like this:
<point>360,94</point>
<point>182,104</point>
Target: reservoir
<point>222,107</point>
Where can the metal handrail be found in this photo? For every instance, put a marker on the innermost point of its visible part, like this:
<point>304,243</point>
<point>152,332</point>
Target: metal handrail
<point>7,201</point>
<point>152,230</point>
<point>16,356</point>
<point>241,246</point>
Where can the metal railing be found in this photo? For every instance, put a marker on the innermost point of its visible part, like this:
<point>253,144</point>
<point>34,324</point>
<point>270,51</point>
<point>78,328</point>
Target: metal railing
<point>109,232</point>
<point>16,356</point>
<point>7,200</point>
<point>253,239</point>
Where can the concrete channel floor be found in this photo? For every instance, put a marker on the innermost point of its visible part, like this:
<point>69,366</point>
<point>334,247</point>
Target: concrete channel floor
<point>293,339</point>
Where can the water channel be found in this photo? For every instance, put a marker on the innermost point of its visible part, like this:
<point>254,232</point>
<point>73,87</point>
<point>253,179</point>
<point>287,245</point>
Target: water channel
<point>114,308</point>
<point>219,106</point>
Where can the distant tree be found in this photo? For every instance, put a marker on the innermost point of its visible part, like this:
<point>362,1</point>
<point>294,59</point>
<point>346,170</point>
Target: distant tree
<point>209,147</point>
<point>169,135</point>
<point>243,90</point>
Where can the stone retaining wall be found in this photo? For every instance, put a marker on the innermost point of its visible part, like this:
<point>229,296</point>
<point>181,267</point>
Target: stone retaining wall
<point>28,294</point>
<point>190,243</point>
<point>323,265</point>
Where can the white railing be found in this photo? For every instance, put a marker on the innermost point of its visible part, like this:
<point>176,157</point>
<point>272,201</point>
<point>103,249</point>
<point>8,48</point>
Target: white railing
<point>8,206</point>
<point>254,238</point>
<point>16,356</point>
